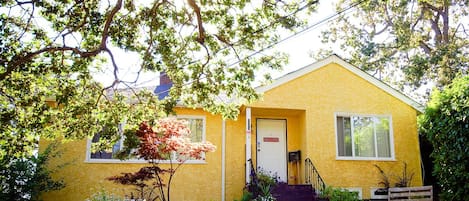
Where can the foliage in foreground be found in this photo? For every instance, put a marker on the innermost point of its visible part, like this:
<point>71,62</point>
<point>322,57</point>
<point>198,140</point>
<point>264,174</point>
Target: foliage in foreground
<point>246,196</point>
<point>25,179</point>
<point>339,194</point>
<point>169,141</point>
<point>50,52</point>
<point>403,179</point>
<point>425,41</point>
<point>104,196</point>
<point>445,123</point>
<point>260,187</point>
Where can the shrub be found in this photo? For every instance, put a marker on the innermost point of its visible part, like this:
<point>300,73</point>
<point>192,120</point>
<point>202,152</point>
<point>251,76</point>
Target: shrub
<point>247,196</point>
<point>104,196</point>
<point>261,186</point>
<point>445,124</point>
<point>385,178</point>
<point>402,180</point>
<point>339,194</point>
<point>27,178</point>
<point>171,137</point>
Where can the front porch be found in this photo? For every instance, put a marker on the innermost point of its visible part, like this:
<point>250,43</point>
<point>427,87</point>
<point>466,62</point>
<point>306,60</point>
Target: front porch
<point>276,143</point>
<point>274,135</point>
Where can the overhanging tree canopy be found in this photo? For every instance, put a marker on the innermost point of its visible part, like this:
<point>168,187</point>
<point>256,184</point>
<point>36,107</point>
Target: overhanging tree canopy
<point>48,50</point>
<point>425,41</point>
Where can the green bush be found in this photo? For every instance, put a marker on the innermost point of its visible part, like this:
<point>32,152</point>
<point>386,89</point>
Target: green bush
<point>261,186</point>
<point>25,179</point>
<point>104,196</point>
<point>445,124</point>
<point>339,194</point>
<point>247,196</point>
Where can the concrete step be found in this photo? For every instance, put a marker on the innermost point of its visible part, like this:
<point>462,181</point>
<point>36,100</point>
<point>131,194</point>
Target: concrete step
<point>300,192</point>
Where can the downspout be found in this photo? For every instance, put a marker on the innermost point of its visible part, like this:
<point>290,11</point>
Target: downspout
<point>248,144</point>
<point>223,155</point>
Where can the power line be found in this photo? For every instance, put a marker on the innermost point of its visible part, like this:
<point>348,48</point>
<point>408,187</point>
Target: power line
<point>278,20</point>
<point>309,28</point>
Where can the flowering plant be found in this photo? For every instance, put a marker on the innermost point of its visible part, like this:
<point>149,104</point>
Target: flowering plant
<point>169,141</point>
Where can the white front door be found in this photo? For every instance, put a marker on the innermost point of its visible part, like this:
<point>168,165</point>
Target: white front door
<point>271,147</point>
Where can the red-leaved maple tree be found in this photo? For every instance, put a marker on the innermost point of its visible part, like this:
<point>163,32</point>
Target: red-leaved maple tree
<point>170,143</point>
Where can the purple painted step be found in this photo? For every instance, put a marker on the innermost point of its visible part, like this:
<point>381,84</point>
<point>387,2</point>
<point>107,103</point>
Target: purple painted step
<point>302,192</point>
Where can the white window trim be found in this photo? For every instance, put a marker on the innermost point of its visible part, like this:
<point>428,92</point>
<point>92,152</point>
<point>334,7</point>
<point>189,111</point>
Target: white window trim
<point>357,158</point>
<point>88,158</point>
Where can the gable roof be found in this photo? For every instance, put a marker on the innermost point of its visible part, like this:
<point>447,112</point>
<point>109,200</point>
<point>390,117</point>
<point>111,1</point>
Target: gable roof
<point>336,59</point>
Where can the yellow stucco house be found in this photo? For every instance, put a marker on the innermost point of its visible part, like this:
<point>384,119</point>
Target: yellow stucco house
<point>339,118</point>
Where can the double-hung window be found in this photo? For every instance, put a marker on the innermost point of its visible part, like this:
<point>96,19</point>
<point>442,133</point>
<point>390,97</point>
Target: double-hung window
<point>195,123</point>
<point>364,137</point>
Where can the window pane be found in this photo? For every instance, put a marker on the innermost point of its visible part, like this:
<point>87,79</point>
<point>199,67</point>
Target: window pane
<point>382,137</point>
<point>344,138</point>
<point>105,153</point>
<point>196,127</point>
<point>340,136</point>
<point>348,136</point>
<point>363,137</point>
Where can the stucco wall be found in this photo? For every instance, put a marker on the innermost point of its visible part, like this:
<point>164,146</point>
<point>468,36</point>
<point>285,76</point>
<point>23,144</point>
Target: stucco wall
<point>318,96</point>
<point>333,89</point>
<point>191,182</point>
<point>235,157</point>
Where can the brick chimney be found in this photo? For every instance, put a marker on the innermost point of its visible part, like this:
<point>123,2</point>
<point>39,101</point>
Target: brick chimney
<point>164,79</point>
<point>162,90</point>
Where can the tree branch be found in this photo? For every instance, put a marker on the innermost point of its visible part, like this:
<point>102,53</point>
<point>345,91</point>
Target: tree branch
<point>25,2</point>
<point>431,7</point>
<point>196,8</point>
<point>108,22</point>
<point>425,47</point>
<point>436,29</point>
<point>434,22</point>
<point>229,44</point>
<point>114,65</point>
<point>388,16</point>
<point>75,28</point>
<point>463,30</point>
<point>382,30</point>
<point>417,20</point>
<point>28,23</point>
<point>445,16</point>
<point>18,60</point>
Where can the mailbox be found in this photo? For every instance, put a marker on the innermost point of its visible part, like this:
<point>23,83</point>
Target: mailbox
<point>294,156</point>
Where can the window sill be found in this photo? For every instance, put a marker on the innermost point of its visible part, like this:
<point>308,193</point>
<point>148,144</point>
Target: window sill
<point>137,161</point>
<point>364,159</point>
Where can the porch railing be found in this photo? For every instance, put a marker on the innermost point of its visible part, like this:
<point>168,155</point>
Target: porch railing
<point>312,176</point>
